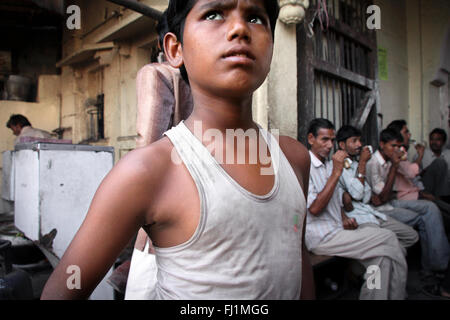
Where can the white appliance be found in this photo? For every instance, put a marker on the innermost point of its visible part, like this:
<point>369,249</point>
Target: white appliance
<point>7,198</point>
<point>53,187</point>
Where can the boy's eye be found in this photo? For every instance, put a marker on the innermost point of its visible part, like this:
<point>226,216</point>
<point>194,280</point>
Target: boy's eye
<point>213,16</point>
<point>256,20</point>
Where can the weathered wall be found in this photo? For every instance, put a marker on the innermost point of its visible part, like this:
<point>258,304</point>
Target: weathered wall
<point>111,72</point>
<point>435,17</point>
<point>393,37</point>
<point>43,114</point>
<point>413,32</point>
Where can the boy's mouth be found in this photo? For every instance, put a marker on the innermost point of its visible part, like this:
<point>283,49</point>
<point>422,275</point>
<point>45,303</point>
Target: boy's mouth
<point>239,53</point>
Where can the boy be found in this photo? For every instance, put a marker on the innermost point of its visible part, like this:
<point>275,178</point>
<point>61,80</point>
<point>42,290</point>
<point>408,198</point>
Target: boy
<point>221,231</point>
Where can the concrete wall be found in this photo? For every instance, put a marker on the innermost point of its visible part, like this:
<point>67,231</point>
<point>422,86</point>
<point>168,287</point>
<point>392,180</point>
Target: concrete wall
<point>393,37</point>
<point>435,17</point>
<point>413,32</point>
<point>428,22</point>
<point>111,72</point>
<point>43,114</point>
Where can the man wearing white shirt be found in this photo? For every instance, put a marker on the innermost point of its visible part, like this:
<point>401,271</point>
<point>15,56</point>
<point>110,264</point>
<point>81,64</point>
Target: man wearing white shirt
<point>435,165</point>
<point>21,127</point>
<point>330,232</point>
<point>382,170</point>
<point>358,192</point>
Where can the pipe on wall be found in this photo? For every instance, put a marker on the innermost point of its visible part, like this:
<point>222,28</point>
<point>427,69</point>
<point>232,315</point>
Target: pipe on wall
<point>139,7</point>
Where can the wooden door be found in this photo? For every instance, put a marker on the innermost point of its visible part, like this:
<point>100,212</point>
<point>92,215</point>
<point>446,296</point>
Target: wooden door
<point>337,67</point>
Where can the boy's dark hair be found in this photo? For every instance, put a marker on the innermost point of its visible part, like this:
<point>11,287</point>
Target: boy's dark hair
<point>440,132</point>
<point>178,10</point>
<point>16,119</point>
<point>162,28</point>
<point>346,132</point>
<point>319,123</point>
<point>390,134</point>
<point>397,125</point>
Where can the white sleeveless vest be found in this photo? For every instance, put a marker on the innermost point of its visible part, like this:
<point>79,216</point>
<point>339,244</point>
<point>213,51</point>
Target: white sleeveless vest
<point>246,246</point>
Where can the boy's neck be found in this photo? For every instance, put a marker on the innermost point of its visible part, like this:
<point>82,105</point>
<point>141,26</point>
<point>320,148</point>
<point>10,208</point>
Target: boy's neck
<point>222,113</point>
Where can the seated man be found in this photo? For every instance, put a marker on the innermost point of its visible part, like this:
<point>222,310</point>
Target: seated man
<point>435,166</point>
<point>409,182</point>
<point>382,170</point>
<point>353,182</point>
<point>21,127</point>
<point>325,232</point>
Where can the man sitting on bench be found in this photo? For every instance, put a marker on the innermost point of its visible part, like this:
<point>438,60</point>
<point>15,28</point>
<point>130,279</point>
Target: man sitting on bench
<point>357,192</point>
<point>330,232</point>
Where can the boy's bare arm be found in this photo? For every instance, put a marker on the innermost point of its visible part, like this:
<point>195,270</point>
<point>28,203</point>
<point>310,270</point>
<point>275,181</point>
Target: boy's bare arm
<point>120,206</point>
<point>300,161</point>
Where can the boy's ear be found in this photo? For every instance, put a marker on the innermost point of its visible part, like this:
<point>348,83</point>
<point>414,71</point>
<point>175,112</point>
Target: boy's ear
<point>173,50</point>
<point>341,145</point>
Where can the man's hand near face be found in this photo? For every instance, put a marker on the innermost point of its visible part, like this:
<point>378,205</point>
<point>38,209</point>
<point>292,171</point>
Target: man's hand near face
<point>420,152</point>
<point>396,158</point>
<point>338,162</point>
<point>365,155</point>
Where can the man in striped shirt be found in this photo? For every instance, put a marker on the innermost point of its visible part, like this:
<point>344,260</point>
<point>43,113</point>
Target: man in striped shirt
<point>330,232</point>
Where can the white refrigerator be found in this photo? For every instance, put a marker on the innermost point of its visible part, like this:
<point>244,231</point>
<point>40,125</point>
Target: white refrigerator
<point>53,187</point>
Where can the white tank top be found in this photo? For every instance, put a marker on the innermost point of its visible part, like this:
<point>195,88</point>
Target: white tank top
<point>246,246</point>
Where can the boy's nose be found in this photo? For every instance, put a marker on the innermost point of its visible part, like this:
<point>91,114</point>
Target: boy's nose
<point>238,28</point>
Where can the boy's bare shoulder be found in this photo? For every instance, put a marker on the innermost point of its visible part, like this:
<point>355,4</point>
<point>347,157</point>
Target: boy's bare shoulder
<point>149,163</point>
<point>295,152</point>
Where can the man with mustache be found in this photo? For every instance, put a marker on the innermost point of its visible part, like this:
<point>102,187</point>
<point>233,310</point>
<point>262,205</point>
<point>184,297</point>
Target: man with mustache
<point>358,192</point>
<point>330,232</point>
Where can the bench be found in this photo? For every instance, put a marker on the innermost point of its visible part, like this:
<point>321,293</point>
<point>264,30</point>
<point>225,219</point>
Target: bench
<point>318,260</point>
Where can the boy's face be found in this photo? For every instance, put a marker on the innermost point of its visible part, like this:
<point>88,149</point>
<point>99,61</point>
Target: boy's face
<point>227,46</point>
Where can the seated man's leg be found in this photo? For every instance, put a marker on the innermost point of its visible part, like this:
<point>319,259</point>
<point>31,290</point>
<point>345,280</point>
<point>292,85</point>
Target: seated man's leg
<point>406,216</point>
<point>435,178</point>
<point>372,247</point>
<point>435,246</point>
<point>406,235</point>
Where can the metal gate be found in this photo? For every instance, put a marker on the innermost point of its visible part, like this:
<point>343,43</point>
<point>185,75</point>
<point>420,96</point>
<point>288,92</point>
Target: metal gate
<point>337,64</point>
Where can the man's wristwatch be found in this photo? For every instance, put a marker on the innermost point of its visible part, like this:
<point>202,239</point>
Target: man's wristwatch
<point>360,175</point>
